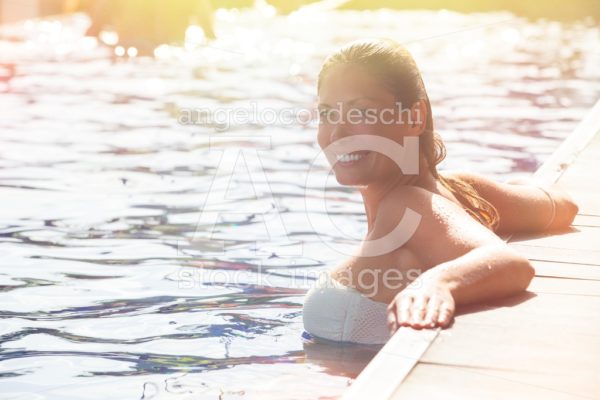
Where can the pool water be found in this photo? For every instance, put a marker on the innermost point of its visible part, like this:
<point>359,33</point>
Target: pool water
<point>113,283</point>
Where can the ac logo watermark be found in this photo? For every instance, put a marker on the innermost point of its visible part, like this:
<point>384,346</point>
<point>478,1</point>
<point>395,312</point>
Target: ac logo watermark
<point>405,156</point>
<point>217,199</point>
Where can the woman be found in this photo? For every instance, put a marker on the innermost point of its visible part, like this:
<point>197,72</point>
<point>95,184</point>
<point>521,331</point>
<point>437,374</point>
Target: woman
<point>453,256</point>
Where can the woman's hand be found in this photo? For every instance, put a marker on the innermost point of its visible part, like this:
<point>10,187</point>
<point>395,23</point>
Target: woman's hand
<point>425,303</point>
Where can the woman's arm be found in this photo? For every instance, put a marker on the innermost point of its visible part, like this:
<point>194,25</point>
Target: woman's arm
<point>523,206</point>
<point>484,273</point>
<point>467,263</point>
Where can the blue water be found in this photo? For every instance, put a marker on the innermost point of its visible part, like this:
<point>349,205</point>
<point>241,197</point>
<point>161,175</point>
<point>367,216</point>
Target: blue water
<point>112,285</point>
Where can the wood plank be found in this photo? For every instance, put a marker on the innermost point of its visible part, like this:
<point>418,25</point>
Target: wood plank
<point>530,309</point>
<point>449,382</point>
<point>492,348</point>
<point>587,220</point>
<point>541,342</point>
<point>566,270</point>
<point>576,238</point>
<point>565,286</point>
<point>558,255</point>
<point>588,202</point>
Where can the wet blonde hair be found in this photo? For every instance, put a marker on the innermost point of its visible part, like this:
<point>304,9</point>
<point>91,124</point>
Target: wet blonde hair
<point>395,68</point>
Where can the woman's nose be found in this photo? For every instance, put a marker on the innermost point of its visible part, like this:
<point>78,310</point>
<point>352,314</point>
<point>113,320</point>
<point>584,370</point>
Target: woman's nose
<point>337,132</point>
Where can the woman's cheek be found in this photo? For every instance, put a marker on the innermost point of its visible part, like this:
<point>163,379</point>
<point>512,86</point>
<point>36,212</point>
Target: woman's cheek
<point>363,128</point>
<point>322,137</point>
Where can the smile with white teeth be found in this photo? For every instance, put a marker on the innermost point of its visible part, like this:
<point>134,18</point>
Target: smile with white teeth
<point>350,157</point>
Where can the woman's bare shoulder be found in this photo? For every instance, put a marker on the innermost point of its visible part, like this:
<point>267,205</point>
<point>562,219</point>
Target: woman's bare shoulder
<point>444,229</point>
<point>432,208</point>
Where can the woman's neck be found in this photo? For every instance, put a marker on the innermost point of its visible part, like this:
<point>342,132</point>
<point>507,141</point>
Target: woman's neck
<point>374,193</point>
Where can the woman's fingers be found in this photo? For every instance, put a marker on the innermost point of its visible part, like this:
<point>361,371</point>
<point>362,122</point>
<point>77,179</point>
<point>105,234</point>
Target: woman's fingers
<point>433,311</point>
<point>445,315</point>
<point>419,311</point>
<point>404,315</point>
<point>391,318</point>
<point>399,312</point>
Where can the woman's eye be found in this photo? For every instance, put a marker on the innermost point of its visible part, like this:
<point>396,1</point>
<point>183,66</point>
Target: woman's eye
<point>358,115</point>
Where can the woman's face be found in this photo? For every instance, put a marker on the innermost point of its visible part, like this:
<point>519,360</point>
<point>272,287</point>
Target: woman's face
<point>352,102</point>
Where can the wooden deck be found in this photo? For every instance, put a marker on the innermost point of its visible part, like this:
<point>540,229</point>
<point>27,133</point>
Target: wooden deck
<point>543,344</point>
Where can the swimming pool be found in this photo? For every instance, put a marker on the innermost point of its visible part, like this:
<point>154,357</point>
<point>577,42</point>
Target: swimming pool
<point>103,292</point>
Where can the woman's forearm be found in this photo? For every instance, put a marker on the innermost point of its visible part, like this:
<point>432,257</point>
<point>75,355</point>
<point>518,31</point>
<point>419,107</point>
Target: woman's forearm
<point>484,273</point>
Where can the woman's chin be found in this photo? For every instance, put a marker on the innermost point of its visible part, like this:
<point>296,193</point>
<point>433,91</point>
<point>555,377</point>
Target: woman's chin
<point>350,180</point>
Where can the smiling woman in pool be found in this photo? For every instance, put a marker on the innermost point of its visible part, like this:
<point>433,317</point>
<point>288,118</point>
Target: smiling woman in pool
<point>455,249</point>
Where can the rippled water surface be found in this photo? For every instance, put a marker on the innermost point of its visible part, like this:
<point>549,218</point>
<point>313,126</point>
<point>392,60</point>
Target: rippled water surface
<point>111,285</point>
